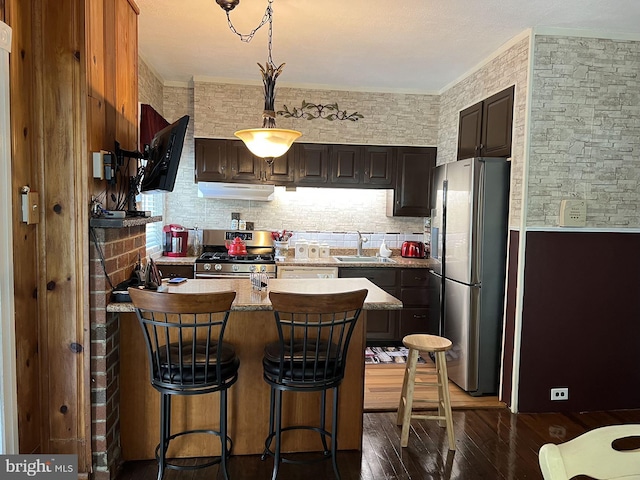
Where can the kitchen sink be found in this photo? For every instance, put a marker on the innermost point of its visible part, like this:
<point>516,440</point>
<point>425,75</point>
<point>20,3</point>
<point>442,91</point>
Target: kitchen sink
<point>358,259</point>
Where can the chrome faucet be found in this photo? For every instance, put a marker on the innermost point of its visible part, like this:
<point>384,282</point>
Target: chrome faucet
<point>361,240</point>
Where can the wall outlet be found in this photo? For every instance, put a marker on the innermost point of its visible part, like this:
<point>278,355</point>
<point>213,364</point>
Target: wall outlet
<point>573,213</point>
<point>560,394</point>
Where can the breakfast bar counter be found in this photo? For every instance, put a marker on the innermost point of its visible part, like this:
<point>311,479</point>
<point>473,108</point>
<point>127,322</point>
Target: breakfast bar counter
<point>251,325</point>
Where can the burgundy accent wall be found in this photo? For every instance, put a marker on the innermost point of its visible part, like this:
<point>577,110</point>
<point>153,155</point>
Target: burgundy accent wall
<point>510,317</point>
<point>581,321</point>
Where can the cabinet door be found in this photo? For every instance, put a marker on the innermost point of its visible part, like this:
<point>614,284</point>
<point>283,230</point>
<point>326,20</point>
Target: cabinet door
<point>346,164</point>
<point>470,132</point>
<point>382,325</point>
<point>211,160</point>
<point>378,166</point>
<point>497,118</point>
<point>243,165</point>
<point>312,164</point>
<point>282,169</point>
<point>414,167</point>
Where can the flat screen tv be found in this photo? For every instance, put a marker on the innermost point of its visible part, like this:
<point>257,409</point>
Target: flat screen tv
<point>163,158</point>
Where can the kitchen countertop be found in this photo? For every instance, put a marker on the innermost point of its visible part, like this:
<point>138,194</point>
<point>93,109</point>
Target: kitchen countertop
<point>248,299</point>
<point>399,262</point>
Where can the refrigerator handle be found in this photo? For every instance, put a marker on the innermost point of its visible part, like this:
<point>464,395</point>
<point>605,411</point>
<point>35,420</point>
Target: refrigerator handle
<point>443,253</point>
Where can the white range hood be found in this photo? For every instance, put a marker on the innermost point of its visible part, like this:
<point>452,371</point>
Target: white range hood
<point>236,191</point>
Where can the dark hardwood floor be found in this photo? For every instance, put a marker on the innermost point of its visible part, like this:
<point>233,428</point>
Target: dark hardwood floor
<point>491,444</point>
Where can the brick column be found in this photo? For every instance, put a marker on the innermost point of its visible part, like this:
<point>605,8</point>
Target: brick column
<point>120,248</point>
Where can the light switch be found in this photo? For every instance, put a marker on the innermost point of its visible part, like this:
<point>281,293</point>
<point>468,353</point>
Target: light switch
<point>573,213</point>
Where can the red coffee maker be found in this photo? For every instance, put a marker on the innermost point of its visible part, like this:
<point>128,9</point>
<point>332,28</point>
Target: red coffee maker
<point>175,241</point>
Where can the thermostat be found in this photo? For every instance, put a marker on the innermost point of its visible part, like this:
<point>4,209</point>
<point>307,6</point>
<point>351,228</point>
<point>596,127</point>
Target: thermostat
<point>573,213</point>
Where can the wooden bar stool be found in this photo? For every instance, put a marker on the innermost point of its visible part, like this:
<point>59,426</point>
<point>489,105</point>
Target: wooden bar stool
<point>429,344</point>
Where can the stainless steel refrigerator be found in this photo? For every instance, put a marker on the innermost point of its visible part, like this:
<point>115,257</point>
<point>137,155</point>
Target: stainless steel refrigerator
<point>469,227</point>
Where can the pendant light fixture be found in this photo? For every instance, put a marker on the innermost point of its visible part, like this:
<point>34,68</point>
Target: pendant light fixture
<point>267,142</point>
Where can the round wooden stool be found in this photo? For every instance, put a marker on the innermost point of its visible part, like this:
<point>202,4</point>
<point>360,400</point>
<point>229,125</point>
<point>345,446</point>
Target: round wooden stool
<point>432,344</point>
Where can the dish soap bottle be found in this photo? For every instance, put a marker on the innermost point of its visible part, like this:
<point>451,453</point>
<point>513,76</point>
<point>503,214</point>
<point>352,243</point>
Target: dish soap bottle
<point>384,250</point>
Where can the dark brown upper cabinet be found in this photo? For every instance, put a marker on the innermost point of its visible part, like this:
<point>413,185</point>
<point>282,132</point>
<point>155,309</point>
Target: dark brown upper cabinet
<point>222,160</point>
<point>312,164</point>
<point>485,128</point>
<point>361,166</point>
<point>211,160</point>
<point>324,165</point>
<point>282,170</point>
<point>378,166</point>
<point>412,190</point>
<point>346,164</point>
<point>243,166</point>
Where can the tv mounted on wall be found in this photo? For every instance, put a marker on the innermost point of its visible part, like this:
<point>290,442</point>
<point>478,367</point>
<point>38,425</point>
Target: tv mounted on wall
<point>163,158</point>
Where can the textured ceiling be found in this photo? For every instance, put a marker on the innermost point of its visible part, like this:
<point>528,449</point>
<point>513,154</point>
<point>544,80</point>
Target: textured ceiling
<point>402,46</point>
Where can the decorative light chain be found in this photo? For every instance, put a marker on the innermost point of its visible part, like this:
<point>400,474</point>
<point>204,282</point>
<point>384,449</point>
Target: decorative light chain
<point>247,37</point>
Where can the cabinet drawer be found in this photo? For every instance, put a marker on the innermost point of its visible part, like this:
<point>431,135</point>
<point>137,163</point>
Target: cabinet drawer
<point>417,320</point>
<point>382,277</point>
<point>171,271</point>
<point>414,296</point>
<point>414,277</point>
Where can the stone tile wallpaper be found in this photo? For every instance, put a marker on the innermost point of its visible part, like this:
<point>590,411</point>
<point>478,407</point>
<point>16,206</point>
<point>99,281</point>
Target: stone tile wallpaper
<point>508,68</point>
<point>149,86</point>
<point>585,130</point>
<point>218,110</point>
<point>389,119</point>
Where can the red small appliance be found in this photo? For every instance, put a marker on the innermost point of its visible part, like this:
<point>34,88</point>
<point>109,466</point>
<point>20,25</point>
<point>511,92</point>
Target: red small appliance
<point>412,249</point>
<point>175,241</point>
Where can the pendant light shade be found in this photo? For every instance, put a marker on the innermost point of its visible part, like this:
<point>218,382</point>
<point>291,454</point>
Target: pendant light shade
<point>268,142</point>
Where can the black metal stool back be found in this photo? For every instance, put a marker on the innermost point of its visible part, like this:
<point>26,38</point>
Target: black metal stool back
<point>314,331</point>
<point>184,334</point>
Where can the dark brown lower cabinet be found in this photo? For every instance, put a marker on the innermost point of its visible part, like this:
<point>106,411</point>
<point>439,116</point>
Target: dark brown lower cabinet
<point>411,285</point>
<point>172,271</point>
<point>416,316</point>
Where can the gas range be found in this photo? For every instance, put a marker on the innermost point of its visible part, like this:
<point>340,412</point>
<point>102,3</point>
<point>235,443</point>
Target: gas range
<point>215,261</point>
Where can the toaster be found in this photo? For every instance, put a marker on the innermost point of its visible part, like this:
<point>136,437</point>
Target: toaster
<point>412,249</point>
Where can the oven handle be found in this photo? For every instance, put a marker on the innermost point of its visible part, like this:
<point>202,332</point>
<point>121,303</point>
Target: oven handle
<point>227,276</point>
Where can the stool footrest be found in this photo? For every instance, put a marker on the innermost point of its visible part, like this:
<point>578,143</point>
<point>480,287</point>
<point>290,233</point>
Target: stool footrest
<point>427,384</point>
<point>425,400</point>
<point>322,455</point>
<point>216,459</point>
<point>428,417</point>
